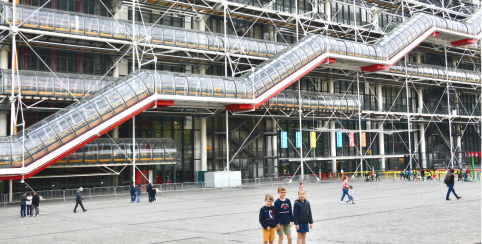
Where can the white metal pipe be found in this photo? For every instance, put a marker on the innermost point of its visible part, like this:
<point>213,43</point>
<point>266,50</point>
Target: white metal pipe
<point>134,49</point>
<point>359,122</point>
<point>227,140</point>
<point>204,145</point>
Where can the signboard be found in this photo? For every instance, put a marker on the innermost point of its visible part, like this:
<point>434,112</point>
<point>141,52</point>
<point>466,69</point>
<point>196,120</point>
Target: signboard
<point>298,139</point>
<point>351,137</point>
<point>339,139</point>
<point>312,139</point>
<point>364,139</point>
<point>284,139</point>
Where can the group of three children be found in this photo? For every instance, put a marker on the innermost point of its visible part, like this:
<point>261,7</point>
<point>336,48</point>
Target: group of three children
<point>280,217</point>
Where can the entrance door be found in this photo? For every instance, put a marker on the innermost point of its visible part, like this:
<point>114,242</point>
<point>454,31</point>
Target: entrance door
<point>140,179</point>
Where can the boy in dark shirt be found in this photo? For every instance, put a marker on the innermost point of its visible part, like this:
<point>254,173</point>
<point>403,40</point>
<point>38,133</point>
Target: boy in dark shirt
<point>267,219</point>
<point>283,215</point>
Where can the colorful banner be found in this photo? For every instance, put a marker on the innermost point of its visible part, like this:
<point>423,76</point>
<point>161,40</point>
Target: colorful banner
<point>284,139</point>
<point>312,139</point>
<point>298,139</point>
<point>351,137</point>
<point>364,139</point>
<point>339,139</point>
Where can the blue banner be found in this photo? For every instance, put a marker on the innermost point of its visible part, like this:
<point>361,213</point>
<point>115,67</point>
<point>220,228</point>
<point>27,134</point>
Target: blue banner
<point>339,139</point>
<point>298,139</point>
<point>284,139</point>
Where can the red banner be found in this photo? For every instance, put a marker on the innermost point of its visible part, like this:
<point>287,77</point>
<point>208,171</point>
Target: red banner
<point>351,137</point>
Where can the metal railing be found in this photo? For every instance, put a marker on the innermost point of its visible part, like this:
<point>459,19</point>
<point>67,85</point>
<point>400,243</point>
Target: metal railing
<point>114,191</point>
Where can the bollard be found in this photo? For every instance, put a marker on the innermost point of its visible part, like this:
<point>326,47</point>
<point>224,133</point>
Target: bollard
<point>394,177</point>
<point>64,194</point>
<point>115,192</point>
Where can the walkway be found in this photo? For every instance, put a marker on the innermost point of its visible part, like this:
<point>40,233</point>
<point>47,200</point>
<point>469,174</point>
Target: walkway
<point>386,212</point>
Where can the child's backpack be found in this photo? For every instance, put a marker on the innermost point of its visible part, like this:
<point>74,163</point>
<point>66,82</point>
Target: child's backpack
<point>446,179</point>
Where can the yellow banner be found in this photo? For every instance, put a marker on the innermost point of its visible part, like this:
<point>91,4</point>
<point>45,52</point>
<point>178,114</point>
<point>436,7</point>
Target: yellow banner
<point>313,139</point>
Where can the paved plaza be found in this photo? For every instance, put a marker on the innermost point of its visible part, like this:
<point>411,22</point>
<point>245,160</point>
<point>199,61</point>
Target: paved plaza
<point>385,212</point>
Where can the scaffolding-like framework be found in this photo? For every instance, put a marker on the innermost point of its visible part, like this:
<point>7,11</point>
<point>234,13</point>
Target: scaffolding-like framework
<point>365,21</point>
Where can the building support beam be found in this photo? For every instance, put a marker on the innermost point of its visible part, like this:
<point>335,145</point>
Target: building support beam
<point>204,145</point>
<point>381,135</point>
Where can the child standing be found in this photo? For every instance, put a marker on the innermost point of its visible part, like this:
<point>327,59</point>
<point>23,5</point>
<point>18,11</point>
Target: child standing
<point>301,185</point>
<point>302,216</point>
<point>267,219</point>
<point>283,215</point>
<point>350,195</point>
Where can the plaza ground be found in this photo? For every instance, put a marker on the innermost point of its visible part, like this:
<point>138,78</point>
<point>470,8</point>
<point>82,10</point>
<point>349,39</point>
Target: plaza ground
<point>385,212</point>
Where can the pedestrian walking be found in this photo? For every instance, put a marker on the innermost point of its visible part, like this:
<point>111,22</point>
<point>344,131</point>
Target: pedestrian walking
<point>133,193</point>
<point>36,203</point>
<point>23,205</point>
<point>469,174</point>
<point>449,181</point>
<point>423,174</point>
<point>29,205</point>
<point>154,191</point>
<point>350,195</point>
<point>149,192</point>
<point>377,173</point>
<point>344,188</point>
<point>302,216</point>
<point>78,200</point>
<point>139,193</point>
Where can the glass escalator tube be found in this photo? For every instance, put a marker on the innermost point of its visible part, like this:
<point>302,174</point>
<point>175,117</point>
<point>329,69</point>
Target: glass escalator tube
<point>341,47</point>
<point>170,153</point>
<point>230,87</point>
<point>181,85</point>
<point>357,49</point>
<point>119,151</point>
<point>280,100</point>
<point>157,148</point>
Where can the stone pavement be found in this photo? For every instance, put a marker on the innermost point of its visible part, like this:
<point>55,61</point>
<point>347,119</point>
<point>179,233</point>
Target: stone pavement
<point>385,212</point>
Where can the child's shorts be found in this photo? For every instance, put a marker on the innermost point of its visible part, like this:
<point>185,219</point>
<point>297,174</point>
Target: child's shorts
<point>284,229</point>
<point>269,235</point>
<point>303,228</point>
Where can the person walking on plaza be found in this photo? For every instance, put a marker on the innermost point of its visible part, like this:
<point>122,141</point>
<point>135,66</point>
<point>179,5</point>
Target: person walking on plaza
<point>78,200</point>
<point>344,188</point>
<point>267,219</point>
<point>350,195</point>
<point>29,205</point>
<point>133,193</point>
<point>450,180</point>
<point>302,216</point>
<point>422,173</point>
<point>154,191</point>
<point>36,203</point>
<point>139,193</point>
<point>283,215</point>
<point>23,205</point>
<point>149,192</point>
<point>469,174</point>
<point>402,175</point>
<point>377,173</point>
